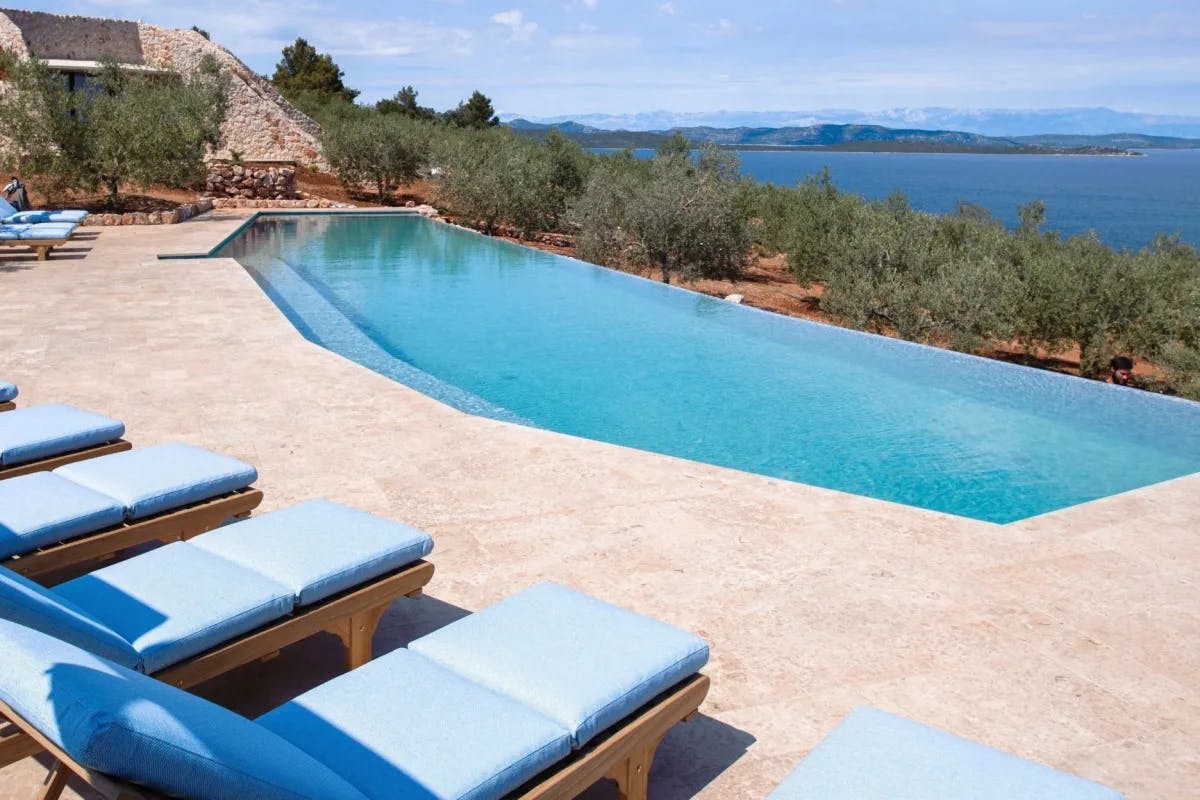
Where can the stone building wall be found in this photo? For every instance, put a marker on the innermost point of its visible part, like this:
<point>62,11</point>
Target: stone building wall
<point>260,126</point>
<point>10,37</point>
<point>77,38</point>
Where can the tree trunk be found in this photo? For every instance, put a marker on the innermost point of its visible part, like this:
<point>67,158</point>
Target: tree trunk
<point>113,190</point>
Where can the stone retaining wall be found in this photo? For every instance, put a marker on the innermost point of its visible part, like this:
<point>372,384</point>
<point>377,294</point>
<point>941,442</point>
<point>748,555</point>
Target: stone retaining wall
<point>252,181</point>
<point>243,202</point>
<point>186,211</point>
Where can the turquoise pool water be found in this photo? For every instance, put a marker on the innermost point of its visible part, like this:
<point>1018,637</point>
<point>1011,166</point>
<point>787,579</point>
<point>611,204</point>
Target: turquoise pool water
<point>517,334</point>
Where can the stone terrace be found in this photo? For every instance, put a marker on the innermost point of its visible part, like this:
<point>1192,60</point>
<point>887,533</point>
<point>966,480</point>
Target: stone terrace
<point>1072,639</point>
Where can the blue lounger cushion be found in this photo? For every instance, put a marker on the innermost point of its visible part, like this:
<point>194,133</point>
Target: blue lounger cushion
<point>874,755</point>
<point>8,391</point>
<point>127,725</point>
<point>580,661</point>
<point>176,601</point>
<point>10,214</point>
<point>150,480</point>
<point>317,548</point>
<point>26,603</point>
<point>22,217</point>
<point>37,432</point>
<point>44,508</point>
<point>70,216</point>
<point>401,726</point>
<point>47,230</point>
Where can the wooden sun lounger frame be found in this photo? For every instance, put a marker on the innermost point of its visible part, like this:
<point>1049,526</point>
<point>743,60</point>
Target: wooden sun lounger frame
<point>7,405</point>
<point>624,754</point>
<point>176,525</point>
<point>54,462</point>
<point>352,616</point>
<point>40,246</point>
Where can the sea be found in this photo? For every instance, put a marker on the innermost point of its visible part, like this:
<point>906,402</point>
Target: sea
<point>1126,200</point>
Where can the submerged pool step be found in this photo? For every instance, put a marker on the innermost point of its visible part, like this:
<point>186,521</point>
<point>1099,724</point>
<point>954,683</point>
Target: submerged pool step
<point>318,318</point>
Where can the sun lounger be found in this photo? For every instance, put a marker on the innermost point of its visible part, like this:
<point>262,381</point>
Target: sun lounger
<point>190,610</point>
<point>40,438</point>
<point>8,394</point>
<point>537,696</point>
<point>10,215</point>
<point>873,755</point>
<point>40,237</point>
<point>94,508</point>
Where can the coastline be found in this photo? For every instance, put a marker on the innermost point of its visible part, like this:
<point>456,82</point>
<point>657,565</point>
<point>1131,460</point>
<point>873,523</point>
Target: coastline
<point>933,149</point>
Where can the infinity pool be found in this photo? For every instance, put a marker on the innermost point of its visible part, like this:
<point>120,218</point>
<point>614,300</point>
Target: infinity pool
<point>521,335</point>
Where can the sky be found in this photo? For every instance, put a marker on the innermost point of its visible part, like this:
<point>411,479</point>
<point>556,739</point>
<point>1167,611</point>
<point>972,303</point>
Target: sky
<point>578,56</point>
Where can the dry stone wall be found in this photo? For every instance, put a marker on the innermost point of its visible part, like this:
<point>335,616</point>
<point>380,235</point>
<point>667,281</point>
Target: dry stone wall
<point>261,125</point>
<point>77,38</point>
<point>184,212</point>
<point>251,181</point>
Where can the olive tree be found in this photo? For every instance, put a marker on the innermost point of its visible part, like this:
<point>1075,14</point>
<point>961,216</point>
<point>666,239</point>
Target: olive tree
<point>941,279</point>
<point>682,215</point>
<point>474,183</point>
<point>129,127</point>
<point>42,133</point>
<point>384,150</point>
<point>492,176</point>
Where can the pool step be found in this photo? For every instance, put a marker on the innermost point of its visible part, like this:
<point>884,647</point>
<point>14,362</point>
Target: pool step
<point>311,309</point>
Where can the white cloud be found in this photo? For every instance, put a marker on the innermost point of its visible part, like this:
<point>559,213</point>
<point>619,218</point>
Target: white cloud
<point>590,5</point>
<point>667,8</point>
<point>518,29</point>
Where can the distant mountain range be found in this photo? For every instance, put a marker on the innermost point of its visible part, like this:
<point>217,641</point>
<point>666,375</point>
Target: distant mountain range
<point>857,137</point>
<point>986,122</point>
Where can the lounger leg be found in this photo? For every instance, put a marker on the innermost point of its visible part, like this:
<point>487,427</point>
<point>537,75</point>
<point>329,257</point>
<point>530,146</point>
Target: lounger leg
<point>16,745</point>
<point>356,634</point>
<point>56,781</point>
<point>43,252</point>
<point>633,774</point>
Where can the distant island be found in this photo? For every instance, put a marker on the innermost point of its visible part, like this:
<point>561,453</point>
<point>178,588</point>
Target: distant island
<point>862,138</point>
<point>911,146</point>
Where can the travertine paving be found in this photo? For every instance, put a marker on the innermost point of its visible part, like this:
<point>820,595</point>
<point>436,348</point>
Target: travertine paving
<point>1072,639</point>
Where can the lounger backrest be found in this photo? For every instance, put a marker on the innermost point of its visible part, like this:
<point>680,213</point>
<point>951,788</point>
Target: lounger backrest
<point>161,477</point>
<point>7,209</point>
<point>24,602</point>
<point>527,647</point>
<point>132,727</point>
